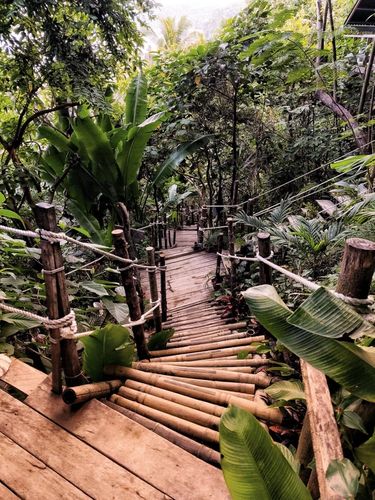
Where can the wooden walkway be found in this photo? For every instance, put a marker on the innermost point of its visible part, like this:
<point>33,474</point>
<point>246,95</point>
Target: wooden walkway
<point>158,436</point>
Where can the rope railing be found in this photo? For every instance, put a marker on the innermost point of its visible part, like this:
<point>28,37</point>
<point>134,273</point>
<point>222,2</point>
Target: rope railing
<point>54,237</point>
<point>299,279</point>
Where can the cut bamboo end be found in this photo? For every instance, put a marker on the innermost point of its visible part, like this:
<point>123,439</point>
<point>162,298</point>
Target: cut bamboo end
<point>81,393</point>
<point>171,421</point>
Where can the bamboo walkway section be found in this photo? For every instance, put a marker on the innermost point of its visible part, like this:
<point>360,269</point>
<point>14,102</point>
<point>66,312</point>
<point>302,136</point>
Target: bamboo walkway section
<point>157,435</point>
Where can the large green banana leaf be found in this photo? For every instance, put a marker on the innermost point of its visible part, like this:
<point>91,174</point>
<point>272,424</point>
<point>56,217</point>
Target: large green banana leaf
<point>130,151</point>
<point>324,314</point>
<point>100,153</point>
<point>136,100</point>
<point>90,223</point>
<point>254,467</point>
<point>348,364</point>
<point>174,160</point>
<point>56,138</point>
<point>53,162</point>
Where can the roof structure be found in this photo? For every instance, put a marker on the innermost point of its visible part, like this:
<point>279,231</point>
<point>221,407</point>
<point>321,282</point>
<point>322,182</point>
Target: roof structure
<point>362,16</point>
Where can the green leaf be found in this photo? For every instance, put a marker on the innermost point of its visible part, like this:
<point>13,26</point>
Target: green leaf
<point>119,311</point>
<point>286,390</point>
<point>343,478</point>
<point>94,287</point>
<point>88,222</point>
<point>293,461</point>
<point>136,100</point>
<point>130,152</point>
<point>15,323</point>
<point>159,340</point>
<point>253,466</point>
<point>55,137</point>
<point>324,314</point>
<point>353,421</point>
<point>174,160</point>
<point>6,348</point>
<point>2,198</point>
<point>348,164</point>
<point>10,214</point>
<point>111,345</point>
<point>348,364</point>
<point>366,453</point>
<point>243,354</point>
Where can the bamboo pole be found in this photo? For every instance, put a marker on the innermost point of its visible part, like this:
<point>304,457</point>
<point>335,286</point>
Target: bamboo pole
<point>204,339</point>
<point>163,287</point>
<point>63,352</point>
<point>231,249</point>
<point>264,246</point>
<point>219,363</point>
<point>208,346</point>
<point>127,277</point>
<point>165,231</point>
<point>132,253</point>
<point>194,356</point>
<point>260,379</point>
<point>154,288</point>
<point>220,242</point>
<point>205,394</point>
<point>176,423</point>
<point>170,407</point>
<point>199,450</point>
<point>74,395</point>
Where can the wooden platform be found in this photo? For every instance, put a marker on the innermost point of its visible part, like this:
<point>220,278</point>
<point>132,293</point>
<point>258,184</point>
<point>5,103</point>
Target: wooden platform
<point>157,437</point>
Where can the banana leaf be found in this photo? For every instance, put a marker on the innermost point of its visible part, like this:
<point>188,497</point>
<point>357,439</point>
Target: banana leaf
<point>136,100</point>
<point>100,153</point>
<point>90,223</point>
<point>348,364</point>
<point>324,314</point>
<point>286,390</point>
<point>253,466</point>
<point>130,152</point>
<point>174,160</point>
<point>56,138</point>
<point>52,162</point>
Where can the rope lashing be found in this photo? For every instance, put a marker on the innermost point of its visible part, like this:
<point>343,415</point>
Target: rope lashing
<point>299,279</point>
<point>53,237</point>
<point>53,271</point>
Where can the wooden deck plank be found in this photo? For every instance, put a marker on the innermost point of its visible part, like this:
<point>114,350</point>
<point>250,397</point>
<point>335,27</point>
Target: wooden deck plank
<point>145,454</point>
<point>30,478</point>
<point>6,493</point>
<point>77,462</point>
<point>23,377</point>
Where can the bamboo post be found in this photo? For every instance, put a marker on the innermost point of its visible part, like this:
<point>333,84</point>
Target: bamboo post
<point>264,246</point>
<point>154,234</point>
<point>357,268</point>
<point>174,235</point>
<point>153,287</point>
<point>220,241</point>
<point>201,225</point>
<point>132,253</point>
<point>231,249</point>
<point>165,231</point>
<point>63,352</point>
<point>159,229</point>
<point>132,300</point>
<point>163,287</point>
<point>169,238</point>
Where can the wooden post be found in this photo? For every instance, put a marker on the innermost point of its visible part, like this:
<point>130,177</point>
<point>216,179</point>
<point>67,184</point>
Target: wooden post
<point>132,300</point>
<point>132,253</point>
<point>235,194</point>
<point>159,229</point>
<point>63,352</point>
<point>357,268</point>
<point>231,249</point>
<point>264,247</point>
<point>174,235</point>
<point>155,233</point>
<point>163,287</point>
<point>220,240</point>
<point>170,237</point>
<point>201,225</point>
<point>154,287</point>
<point>165,231</point>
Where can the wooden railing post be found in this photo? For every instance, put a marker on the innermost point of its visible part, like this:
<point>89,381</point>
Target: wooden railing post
<point>63,352</point>
<point>132,299</point>
<point>163,287</point>
<point>231,249</point>
<point>165,227</point>
<point>132,253</point>
<point>154,287</point>
<point>201,225</point>
<point>220,241</point>
<point>264,247</point>
<point>357,268</point>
